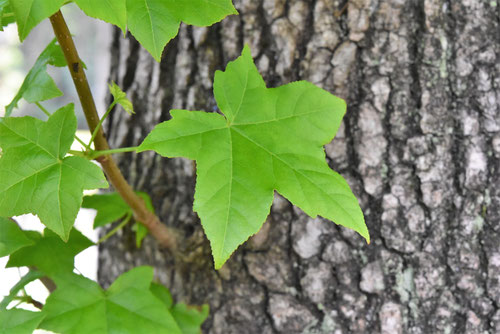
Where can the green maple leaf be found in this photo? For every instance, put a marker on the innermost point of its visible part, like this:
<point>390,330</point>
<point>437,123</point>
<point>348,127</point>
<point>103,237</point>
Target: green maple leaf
<point>35,174</point>
<point>11,237</point>
<point>111,207</point>
<point>155,22</point>
<point>38,85</point>
<point>49,254</point>
<point>79,305</point>
<point>269,139</point>
<point>16,321</point>
<point>111,11</point>
<point>29,13</point>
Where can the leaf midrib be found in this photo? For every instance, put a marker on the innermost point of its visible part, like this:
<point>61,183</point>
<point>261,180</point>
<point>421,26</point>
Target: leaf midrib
<point>27,16</point>
<point>31,141</point>
<point>151,25</point>
<point>295,171</point>
<point>108,300</point>
<point>319,110</point>
<point>230,196</point>
<point>27,177</point>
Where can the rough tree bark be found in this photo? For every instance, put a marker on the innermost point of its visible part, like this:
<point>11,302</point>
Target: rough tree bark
<point>420,146</point>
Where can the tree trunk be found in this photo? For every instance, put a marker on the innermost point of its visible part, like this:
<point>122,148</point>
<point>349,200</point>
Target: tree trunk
<point>419,145</point>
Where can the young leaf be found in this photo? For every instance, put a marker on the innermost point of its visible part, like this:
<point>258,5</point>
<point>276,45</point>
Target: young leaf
<point>16,321</point>
<point>121,98</point>
<point>111,11</point>
<point>38,85</point>
<point>155,22</point>
<point>35,175</point>
<point>29,13</point>
<point>11,237</point>
<point>6,14</point>
<point>111,207</point>
<point>50,254</point>
<point>269,139</point>
<point>79,305</point>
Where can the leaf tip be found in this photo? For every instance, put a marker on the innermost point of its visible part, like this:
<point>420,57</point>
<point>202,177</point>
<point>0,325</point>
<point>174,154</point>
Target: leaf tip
<point>64,236</point>
<point>365,234</point>
<point>218,264</point>
<point>221,259</point>
<point>157,57</point>
<point>104,184</point>
<point>246,52</point>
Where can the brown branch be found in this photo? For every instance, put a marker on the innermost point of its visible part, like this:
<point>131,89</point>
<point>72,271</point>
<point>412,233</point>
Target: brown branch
<point>165,236</point>
<point>47,282</point>
<point>35,303</point>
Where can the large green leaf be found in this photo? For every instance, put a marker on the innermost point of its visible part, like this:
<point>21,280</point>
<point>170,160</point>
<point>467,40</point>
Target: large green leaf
<point>38,85</point>
<point>155,22</point>
<point>79,305</point>
<point>111,207</point>
<point>6,14</point>
<point>29,13</point>
<point>35,175</point>
<point>16,321</point>
<point>269,139</point>
<point>111,11</point>
<point>11,237</point>
<point>50,254</point>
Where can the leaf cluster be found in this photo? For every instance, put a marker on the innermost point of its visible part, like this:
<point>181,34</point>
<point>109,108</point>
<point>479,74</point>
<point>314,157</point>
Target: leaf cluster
<point>132,304</point>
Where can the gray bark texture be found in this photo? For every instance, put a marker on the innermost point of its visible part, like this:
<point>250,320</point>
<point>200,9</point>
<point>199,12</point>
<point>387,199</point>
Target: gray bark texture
<point>419,145</point>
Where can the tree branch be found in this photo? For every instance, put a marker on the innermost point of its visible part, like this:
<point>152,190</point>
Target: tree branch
<point>165,236</point>
<point>33,302</point>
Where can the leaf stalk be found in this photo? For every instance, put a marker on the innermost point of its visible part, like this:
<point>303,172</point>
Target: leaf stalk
<point>99,125</point>
<point>45,111</point>
<point>97,154</point>
<point>108,235</point>
<point>165,236</point>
